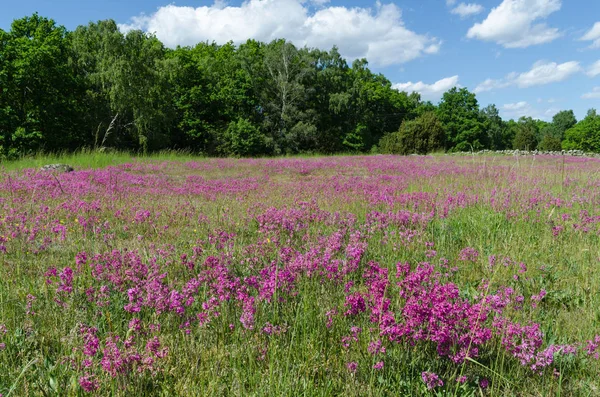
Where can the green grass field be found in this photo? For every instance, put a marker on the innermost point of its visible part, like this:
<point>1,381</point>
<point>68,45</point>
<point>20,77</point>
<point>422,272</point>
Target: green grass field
<point>320,276</point>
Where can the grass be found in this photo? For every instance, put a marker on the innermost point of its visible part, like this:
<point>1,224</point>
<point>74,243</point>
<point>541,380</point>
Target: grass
<point>85,159</point>
<point>244,270</point>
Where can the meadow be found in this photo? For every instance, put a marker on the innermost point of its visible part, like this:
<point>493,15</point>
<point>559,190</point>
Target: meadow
<point>349,275</point>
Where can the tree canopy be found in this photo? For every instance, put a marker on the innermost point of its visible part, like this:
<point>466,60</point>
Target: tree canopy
<point>98,87</point>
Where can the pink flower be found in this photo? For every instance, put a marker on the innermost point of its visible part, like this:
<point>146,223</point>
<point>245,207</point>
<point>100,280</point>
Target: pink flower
<point>88,383</point>
<point>352,366</point>
<point>378,365</point>
<point>469,254</point>
<point>432,380</point>
<point>376,347</point>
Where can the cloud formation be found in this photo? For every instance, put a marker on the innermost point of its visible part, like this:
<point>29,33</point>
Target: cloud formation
<point>524,109</point>
<point>594,69</point>
<point>379,34</point>
<point>594,94</point>
<point>466,10</point>
<point>540,74</point>
<point>515,107</point>
<point>513,24</point>
<point>546,73</point>
<point>429,91</point>
<point>593,35</point>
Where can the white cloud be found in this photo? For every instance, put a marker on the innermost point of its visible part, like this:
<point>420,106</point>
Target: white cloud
<point>378,34</point>
<point>466,10</point>
<point>595,94</point>
<point>549,113</point>
<point>429,91</point>
<point>491,84</point>
<point>319,3</point>
<point>519,109</point>
<point>450,3</point>
<point>513,23</point>
<point>546,73</point>
<point>593,35</point>
<point>518,106</point>
<point>594,69</point>
<point>540,74</point>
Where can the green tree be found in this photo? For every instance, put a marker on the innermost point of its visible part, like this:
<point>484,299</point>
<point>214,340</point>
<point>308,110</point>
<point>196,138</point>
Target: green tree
<point>585,135</point>
<point>127,80</point>
<point>526,134</point>
<point>375,107</point>
<point>212,89</point>
<point>459,113</point>
<point>550,143</point>
<point>330,99</point>
<point>421,135</point>
<point>495,128</point>
<point>284,95</point>
<point>39,90</point>
<point>243,138</point>
<point>562,121</point>
<point>551,134</point>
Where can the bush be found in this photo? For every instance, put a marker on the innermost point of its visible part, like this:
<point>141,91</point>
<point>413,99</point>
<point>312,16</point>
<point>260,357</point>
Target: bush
<point>243,138</point>
<point>421,135</point>
<point>550,144</point>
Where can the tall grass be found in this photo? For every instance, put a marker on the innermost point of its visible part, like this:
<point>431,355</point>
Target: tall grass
<point>171,275</point>
<point>87,158</point>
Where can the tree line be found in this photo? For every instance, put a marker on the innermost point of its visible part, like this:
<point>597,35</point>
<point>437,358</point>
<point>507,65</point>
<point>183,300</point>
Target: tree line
<point>96,87</point>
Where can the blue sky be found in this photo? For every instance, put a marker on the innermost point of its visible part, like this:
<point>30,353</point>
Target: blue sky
<point>529,57</point>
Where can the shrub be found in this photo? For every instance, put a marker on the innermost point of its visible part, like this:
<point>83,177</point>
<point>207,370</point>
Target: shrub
<point>421,135</point>
<point>243,138</point>
<point>550,144</point>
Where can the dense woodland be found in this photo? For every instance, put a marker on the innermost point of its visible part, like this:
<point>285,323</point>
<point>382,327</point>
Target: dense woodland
<point>96,87</point>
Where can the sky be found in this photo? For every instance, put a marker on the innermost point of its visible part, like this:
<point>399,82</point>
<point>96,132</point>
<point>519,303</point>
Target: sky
<point>528,57</point>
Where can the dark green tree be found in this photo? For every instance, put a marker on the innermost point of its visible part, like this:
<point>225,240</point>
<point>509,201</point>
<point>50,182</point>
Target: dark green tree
<point>212,89</point>
<point>526,134</point>
<point>495,128</point>
<point>375,108</point>
<point>243,139</point>
<point>39,89</point>
<point>330,99</point>
<point>284,95</point>
<point>459,113</point>
<point>422,135</point>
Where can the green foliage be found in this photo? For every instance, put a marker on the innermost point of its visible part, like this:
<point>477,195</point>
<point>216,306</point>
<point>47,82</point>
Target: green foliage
<point>421,135</point>
<point>562,121</point>
<point>98,88</point>
<point>585,135</point>
<point>212,88</point>
<point>495,128</point>
<point>550,135</point>
<point>459,112</point>
<point>127,86</point>
<point>550,143</point>
<point>526,134</point>
<point>39,89</point>
<point>301,138</point>
<point>242,138</point>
